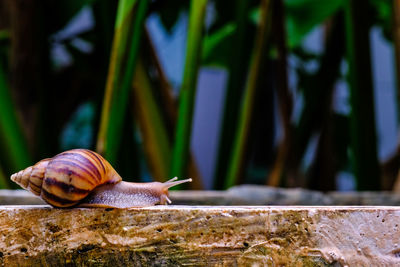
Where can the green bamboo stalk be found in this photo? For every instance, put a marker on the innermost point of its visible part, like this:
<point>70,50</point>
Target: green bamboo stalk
<point>150,119</point>
<point>119,81</point>
<point>14,141</point>
<point>188,89</point>
<point>122,25</point>
<point>237,73</point>
<point>236,163</point>
<point>364,156</point>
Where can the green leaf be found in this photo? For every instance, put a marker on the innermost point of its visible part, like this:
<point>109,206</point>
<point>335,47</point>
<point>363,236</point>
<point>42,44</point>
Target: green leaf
<point>215,45</point>
<point>125,9</point>
<point>304,15</point>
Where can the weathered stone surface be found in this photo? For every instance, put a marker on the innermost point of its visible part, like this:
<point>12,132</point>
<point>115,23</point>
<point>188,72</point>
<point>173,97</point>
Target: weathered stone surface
<point>19,197</point>
<point>265,195</point>
<point>200,236</point>
<point>365,198</point>
<point>246,195</point>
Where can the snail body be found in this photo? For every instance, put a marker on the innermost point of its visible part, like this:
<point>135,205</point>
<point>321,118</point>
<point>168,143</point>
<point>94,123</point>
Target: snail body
<point>84,178</point>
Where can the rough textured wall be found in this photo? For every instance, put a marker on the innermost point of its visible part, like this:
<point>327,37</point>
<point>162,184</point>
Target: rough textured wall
<point>200,236</point>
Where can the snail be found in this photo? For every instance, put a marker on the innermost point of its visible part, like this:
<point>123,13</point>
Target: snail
<point>80,177</point>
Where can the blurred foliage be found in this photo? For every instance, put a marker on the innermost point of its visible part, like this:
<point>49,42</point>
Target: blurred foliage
<point>130,18</point>
<point>149,116</point>
<point>214,50</point>
<point>12,139</point>
<point>240,143</point>
<point>181,147</point>
<point>62,12</point>
<point>132,113</point>
<point>304,15</point>
<point>78,131</point>
<point>382,16</point>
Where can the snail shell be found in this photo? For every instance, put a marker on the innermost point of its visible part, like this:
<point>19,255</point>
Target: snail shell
<point>83,177</point>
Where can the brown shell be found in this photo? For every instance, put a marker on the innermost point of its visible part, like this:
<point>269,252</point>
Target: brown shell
<point>67,178</point>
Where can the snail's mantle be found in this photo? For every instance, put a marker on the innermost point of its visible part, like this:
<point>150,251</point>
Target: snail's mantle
<point>200,235</point>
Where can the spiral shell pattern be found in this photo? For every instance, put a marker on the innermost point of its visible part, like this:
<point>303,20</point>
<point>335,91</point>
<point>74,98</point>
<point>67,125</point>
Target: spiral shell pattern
<point>67,178</point>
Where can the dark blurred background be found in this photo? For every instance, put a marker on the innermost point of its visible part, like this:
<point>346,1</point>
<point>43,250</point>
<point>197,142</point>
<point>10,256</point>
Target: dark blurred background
<point>290,93</point>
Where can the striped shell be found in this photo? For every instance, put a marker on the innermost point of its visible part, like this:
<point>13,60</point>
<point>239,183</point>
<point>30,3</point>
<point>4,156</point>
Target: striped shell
<point>67,178</point>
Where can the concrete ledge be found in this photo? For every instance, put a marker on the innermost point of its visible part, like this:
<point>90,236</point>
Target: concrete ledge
<point>202,235</point>
<point>246,195</point>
